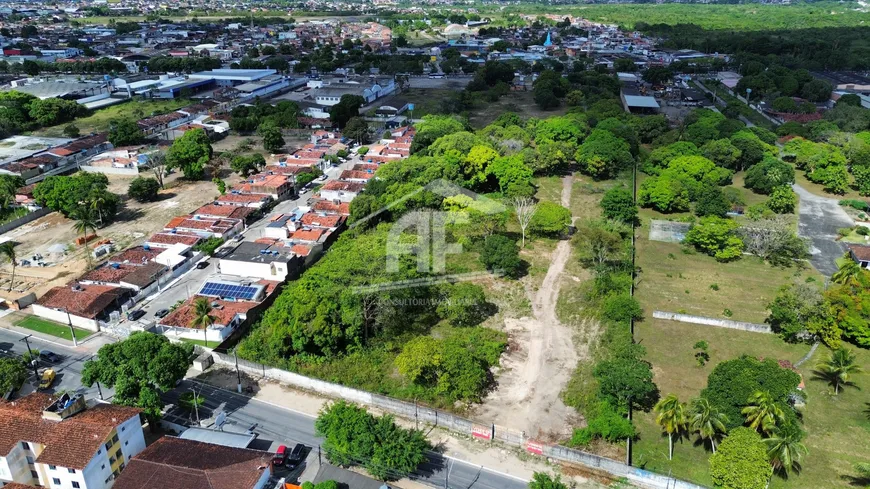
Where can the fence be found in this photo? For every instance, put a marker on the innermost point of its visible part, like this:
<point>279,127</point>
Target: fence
<point>720,323</point>
<point>475,429</point>
<point>9,226</point>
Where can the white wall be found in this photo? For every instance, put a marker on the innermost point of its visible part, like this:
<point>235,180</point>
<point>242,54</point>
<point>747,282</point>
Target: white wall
<point>264,479</point>
<point>61,317</point>
<point>131,438</point>
<point>337,195</point>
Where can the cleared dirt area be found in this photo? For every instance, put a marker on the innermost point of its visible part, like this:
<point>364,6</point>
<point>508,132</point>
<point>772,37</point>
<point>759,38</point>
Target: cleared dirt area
<point>540,361</point>
<point>134,223</point>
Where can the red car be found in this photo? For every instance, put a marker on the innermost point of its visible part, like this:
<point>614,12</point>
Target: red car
<point>280,456</point>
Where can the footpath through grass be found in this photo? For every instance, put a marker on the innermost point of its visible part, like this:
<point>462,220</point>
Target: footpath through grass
<point>52,328</point>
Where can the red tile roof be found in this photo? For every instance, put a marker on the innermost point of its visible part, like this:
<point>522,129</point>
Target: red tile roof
<point>70,443</point>
<point>243,198</point>
<point>862,253</point>
<point>315,220</point>
<point>329,207</point>
<point>184,314</point>
<point>232,211</point>
<point>134,256</point>
<point>169,239</point>
<point>89,301</point>
<point>109,273</point>
<point>356,175</point>
<point>310,235</point>
<point>344,186</point>
<point>173,463</point>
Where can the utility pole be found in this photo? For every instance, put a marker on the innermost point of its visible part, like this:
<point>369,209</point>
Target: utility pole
<point>71,330</point>
<point>32,360</point>
<point>99,389</point>
<point>239,374</point>
<point>196,405</point>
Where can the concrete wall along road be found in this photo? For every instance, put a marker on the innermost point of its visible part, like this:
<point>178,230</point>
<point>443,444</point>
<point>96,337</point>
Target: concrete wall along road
<point>457,424</point>
<point>9,226</point>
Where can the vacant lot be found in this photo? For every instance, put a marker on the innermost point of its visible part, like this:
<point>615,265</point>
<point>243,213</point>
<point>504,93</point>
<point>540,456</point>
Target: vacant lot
<point>135,222</point>
<point>520,102</point>
<point>51,328</point>
<point>99,120</point>
<point>835,425</point>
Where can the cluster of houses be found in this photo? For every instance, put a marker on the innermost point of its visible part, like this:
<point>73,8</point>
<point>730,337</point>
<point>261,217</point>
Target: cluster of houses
<point>68,442</point>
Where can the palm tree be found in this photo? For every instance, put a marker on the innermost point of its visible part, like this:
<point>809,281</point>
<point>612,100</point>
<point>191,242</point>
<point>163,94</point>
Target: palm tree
<point>762,413</point>
<point>7,251</point>
<point>837,369</point>
<point>706,420</point>
<point>784,448</point>
<point>96,205</point>
<point>85,221</point>
<point>848,273</point>
<point>202,316</point>
<point>672,419</point>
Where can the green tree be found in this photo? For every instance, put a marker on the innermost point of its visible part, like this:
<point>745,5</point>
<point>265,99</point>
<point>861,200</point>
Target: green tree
<point>751,148</point>
<point>768,175</point>
<point>785,450</point>
<point>66,194</point>
<point>143,189</point>
<point>542,480</point>
<point>550,219</point>
<point>7,253</point>
<point>602,154</point>
<point>355,437</point>
<point>782,200</point>
<point>618,203</point>
<point>71,131</point>
<point>125,132</point>
<point>705,419</point>
<point>140,368</point>
<point>13,372</point>
<point>246,165</point>
<point>501,254</point>
<point>191,152</point>
<point>671,417</point>
<point>273,140</point>
<point>763,412</point>
<point>202,317</point>
<point>716,237</point>
<point>85,221</point>
<point>433,127</point>
<point>838,369</point>
<point>627,380</point>
<point>741,462</point>
<point>357,129</point>
<point>721,152</point>
<point>712,202</point>
<point>346,109</point>
<point>463,305</point>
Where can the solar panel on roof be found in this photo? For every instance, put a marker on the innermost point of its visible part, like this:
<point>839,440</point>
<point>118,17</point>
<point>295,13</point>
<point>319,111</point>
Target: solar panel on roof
<point>218,289</point>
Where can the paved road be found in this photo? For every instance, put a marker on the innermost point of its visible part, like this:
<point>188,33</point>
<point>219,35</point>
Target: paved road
<point>819,220</point>
<point>69,369</point>
<point>281,426</point>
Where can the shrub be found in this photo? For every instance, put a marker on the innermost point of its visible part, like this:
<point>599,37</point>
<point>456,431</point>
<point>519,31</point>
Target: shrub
<point>716,237</point>
<point>501,253</point>
<point>550,219</point>
<point>843,232</point>
<point>606,424</point>
<point>862,230</point>
<point>621,308</point>
<point>143,189</point>
<point>618,203</point>
<point>741,461</point>
<point>209,246</point>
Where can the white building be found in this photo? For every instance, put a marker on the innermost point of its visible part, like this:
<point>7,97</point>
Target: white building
<point>64,444</point>
<point>260,261</point>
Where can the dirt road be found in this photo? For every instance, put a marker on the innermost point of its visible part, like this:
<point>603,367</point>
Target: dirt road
<point>819,220</point>
<point>540,362</point>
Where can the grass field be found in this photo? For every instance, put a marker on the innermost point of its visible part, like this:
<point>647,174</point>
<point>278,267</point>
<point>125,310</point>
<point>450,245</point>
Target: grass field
<point>673,281</point>
<point>835,424</point>
<point>99,120</point>
<point>52,328</point>
<point>210,344</point>
<point>815,188</point>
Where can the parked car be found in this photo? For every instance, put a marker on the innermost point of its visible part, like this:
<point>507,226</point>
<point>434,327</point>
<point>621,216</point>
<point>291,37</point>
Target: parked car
<point>296,456</point>
<point>322,178</point>
<point>47,379</point>
<point>161,313</point>
<point>202,264</point>
<point>134,315</point>
<point>49,356</point>
<point>222,252</point>
<point>280,456</point>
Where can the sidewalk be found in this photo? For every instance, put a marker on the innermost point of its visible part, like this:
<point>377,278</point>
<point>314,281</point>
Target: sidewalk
<point>490,457</point>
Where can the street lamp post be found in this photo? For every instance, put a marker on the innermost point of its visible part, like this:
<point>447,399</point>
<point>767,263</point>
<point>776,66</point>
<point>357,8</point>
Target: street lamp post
<point>71,330</point>
<point>32,360</point>
<point>239,374</point>
<point>195,405</point>
<point>99,389</point>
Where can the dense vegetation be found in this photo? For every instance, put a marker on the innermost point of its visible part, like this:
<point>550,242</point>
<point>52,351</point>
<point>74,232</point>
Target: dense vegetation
<point>23,112</point>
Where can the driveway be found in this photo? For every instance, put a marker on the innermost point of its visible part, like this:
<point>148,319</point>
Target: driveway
<point>820,218</point>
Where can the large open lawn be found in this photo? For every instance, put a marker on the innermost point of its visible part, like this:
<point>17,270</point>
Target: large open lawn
<point>51,328</point>
<point>99,120</point>
<point>673,281</point>
<point>837,429</point>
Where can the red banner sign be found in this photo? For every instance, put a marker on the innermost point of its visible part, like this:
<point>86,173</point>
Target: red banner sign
<point>484,432</point>
<point>535,447</point>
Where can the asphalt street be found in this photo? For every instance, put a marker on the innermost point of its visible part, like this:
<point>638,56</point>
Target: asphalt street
<point>276,426</point>
<point>69,369</point>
